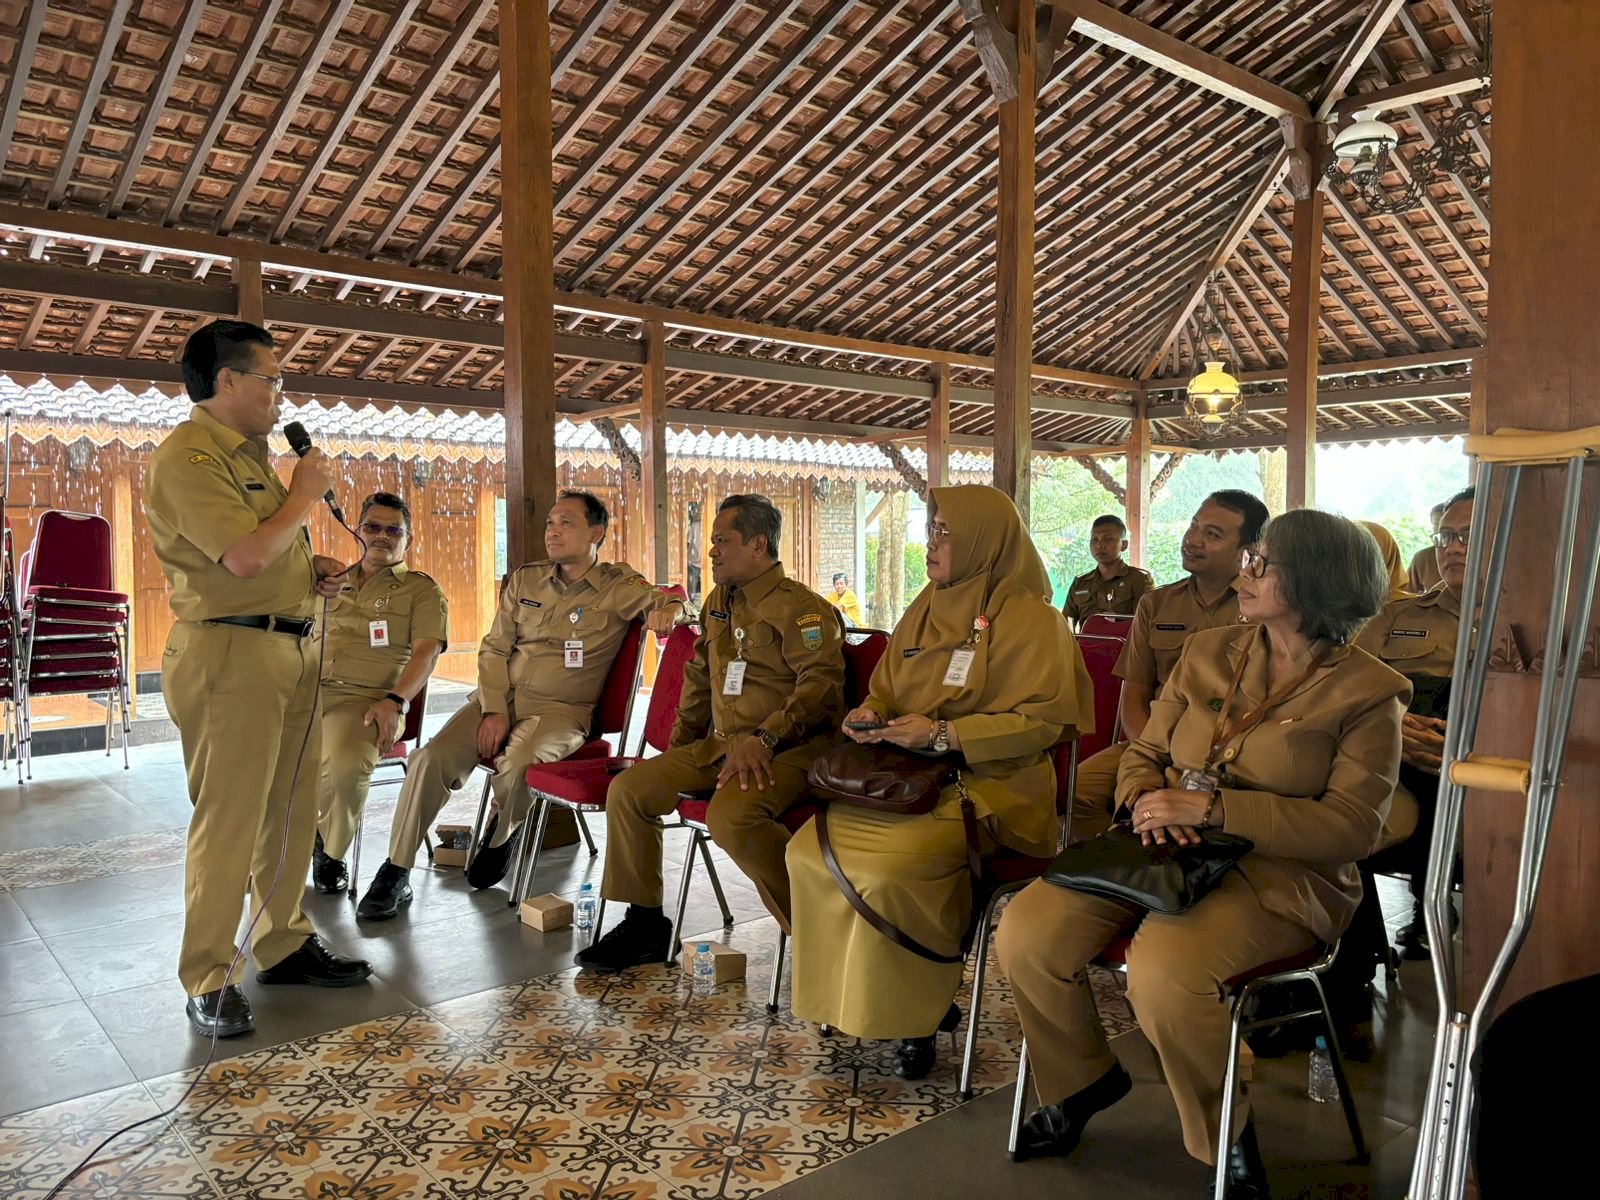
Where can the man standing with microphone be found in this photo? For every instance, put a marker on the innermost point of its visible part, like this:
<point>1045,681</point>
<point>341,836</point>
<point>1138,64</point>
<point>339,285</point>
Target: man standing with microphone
<point>240,673</point>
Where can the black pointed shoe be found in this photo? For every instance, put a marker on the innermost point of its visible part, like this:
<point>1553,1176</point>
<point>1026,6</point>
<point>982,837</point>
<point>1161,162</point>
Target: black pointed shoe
<point>642,936</point>
<point>389,893</point>
<point>488,865</point>
<point>1054,1129</point>
<point>328,875</point>
<point>1247,1174</point>
<point>914,1057</point>
<point>316,966</point>
<point>224,1013</point>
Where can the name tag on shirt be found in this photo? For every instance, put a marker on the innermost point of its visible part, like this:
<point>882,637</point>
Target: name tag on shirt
<point>1171,628</point>
<point>960,667</point>
<point>255,487</point>
<point>574,655</point>
<point>733,684</point>
<point>530,604</point>
<point>1416,633</point>
<point>377,634</point>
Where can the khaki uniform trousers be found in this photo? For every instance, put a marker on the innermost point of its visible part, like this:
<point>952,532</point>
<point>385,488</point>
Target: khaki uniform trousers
<point>245,704</point>
<point>1096,793</point>
<point>349,754</point>
<point>1176,966</point>
<point>445,762</point>
<point>744,823</point>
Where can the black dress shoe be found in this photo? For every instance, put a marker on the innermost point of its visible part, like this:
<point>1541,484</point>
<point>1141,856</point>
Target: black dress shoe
<point>224,1013</point>
<point>488,865</point>
<point>1247,1174</point>
<point>1054,1129</point>
<point>642,936</point>
<point>389,893</point>
<point>317,966</point>
<point>328,875</point>
<point>915,1056</point>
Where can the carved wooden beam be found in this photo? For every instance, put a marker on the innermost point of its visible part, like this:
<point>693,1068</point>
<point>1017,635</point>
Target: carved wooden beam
<point>996,46</point>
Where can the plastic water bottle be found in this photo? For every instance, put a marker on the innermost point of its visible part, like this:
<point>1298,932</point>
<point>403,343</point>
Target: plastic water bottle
<point>1320,1083</point>
<point>705,970</point>
<point>583,911</point>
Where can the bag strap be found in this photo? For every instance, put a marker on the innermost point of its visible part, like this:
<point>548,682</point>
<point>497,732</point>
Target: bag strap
<point>969,823</point>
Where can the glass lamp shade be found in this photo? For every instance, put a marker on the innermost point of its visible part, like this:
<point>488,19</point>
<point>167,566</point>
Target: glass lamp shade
<point>1213,396</point>
<point>1363,143</point>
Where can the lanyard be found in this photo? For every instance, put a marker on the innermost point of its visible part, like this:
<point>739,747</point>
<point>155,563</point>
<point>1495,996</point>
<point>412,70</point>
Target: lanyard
<point>1222,736</point>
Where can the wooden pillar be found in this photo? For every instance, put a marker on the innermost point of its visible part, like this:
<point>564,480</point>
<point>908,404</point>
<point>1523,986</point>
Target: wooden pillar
<point>122,565</point>
<point>1013,350</point>
<point>1478,416</point>
<point>488,579</point>
<point>1544,368</point>
<point>251,304</point>
<point>528,309</point>
<point>939,427</point>
<point>654,515</point>
<point>1136,507</point>
<point>1305,301</point>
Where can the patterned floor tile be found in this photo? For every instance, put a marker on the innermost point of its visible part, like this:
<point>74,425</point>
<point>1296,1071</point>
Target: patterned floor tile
<point>150,1165</point>
<point>348,1055</point>
<point>502,1149</point>
<point>730,1160</point>
<point>43,1145</point>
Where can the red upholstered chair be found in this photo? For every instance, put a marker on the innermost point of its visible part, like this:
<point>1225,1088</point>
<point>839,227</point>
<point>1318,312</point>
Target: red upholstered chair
<point>1307,967</point>
<point>612,714</point>
<point>581,784</point>
<point>1114,625</point>
<point>10,652</point>
<point>399,754</point>
<point>75,627</point>
<point>862,650</point>
<point>1100,655</point>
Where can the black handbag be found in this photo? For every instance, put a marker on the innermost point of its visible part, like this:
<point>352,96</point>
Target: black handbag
<point>1160,878</point>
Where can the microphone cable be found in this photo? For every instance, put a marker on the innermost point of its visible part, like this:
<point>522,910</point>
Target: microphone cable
<point>92,1157</point>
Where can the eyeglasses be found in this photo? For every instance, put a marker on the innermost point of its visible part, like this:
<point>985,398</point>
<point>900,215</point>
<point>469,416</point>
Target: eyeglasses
<point>1254,565</point>
<point>373,529</point>
<point>273,381</point>
<point>938,533</point>
<point>1444,537</point>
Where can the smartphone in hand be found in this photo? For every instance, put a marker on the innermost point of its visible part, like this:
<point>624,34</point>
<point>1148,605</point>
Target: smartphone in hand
<point>864,726</point>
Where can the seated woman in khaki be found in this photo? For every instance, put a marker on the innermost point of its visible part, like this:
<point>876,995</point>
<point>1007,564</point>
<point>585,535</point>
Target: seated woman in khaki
<point>983,662</point>
<point>1307,783</point>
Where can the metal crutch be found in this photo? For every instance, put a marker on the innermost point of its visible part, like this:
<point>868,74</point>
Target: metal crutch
<point>1440,1170</point>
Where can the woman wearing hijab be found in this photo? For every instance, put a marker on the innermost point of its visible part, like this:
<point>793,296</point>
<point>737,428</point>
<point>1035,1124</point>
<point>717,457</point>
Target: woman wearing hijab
<point>983,661</point>
<point>1278,731</point>
<point>1390,550</point>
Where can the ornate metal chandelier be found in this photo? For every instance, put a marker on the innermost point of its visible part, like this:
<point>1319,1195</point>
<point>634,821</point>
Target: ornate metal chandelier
<point>1214,402</point>
<point>1364,154</point>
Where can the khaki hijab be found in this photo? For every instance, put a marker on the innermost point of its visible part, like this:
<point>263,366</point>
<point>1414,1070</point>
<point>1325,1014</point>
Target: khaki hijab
<point>1027,661</point>
<point>1399,577</point>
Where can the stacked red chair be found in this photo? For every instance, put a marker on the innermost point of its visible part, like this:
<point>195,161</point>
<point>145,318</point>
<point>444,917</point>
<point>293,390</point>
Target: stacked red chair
<point>75,626</point>
<point>10,655</point>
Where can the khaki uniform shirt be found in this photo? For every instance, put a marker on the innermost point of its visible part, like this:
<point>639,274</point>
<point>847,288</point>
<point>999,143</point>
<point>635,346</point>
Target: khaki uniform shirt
<point>794,668</point>
<point>1092,593</point>
<point>522,663</point>
<point>1424,573</point>
<point>1162,623</point>
<point>370,629</point>
<point>1416,635</point>
<point>209,486</point>
<point>1309,785</point>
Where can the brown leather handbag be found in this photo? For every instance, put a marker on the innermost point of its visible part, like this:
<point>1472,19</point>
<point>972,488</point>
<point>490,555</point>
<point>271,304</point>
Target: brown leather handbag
<point>888,779</point>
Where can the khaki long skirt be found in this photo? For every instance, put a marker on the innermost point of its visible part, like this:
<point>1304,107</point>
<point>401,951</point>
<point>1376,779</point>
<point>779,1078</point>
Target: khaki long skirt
<point>912,871</point>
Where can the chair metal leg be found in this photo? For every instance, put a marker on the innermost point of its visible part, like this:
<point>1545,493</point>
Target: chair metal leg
<point>980,965</point>
<point>583,828</point>
<point>1019,1103</point>
<point>716,882</point>
<point>777,972</point>
<point>1230,1086</point>
<point>683,895</point>
<point>355,853</point>
<point>1346,1098</point>
<point>477,824</point>
<point>527,852</point>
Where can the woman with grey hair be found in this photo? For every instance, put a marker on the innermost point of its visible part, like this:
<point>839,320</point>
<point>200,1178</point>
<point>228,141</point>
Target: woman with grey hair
<point>1278,731</point>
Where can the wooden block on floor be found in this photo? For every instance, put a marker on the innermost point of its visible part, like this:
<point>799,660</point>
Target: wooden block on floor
<point>454,841</point>
<point>730,963</point>
<point>546,913</point>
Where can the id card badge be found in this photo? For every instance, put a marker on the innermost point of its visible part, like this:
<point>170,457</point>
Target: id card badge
<point>574,654</point>
<point>733,684</point>
<point>1198,781</point>
<point>378,634</point>
<point>960,667</point>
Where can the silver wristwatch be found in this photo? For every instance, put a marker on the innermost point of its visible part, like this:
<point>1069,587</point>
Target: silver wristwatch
<point>768,739</point>
<point>400,701</point>
<point>941,738</point>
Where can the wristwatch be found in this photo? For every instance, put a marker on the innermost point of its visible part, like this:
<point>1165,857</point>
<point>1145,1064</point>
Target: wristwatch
<point>940,742</point>
<point>768,739</point>
<point>401,702</point>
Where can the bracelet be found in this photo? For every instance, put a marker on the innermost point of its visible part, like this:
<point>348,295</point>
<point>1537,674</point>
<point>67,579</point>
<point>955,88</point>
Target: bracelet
<point>1205,821</point>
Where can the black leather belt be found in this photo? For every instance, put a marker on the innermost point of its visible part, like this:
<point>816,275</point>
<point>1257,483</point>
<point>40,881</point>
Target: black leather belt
<point>293,626</point>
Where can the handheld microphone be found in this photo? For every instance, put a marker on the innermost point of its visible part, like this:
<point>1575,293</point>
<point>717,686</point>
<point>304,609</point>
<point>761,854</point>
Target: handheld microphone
<point>300,443</point>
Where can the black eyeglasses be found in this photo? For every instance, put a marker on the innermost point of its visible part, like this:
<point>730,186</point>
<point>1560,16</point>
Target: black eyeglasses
<point>1444,537</point>
<point>373,529</point>
<point>1254,565</point>
<point>938,533</point>
<point>275,382</point>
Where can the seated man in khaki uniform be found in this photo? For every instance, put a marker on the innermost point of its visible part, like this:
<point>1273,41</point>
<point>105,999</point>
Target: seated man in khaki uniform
<point>385,630</point>
<point>541,668</point>
<point>1424,573</point>
<point>761,699</point>
<point>1112,586</point>
<point>1225,525</point>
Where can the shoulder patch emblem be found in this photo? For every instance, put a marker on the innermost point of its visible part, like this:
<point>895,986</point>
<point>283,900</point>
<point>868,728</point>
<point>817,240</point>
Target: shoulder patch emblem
<point>811,635</point>
<point>809,619</point>
<point>639,581</point>
<point>201,458</point>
